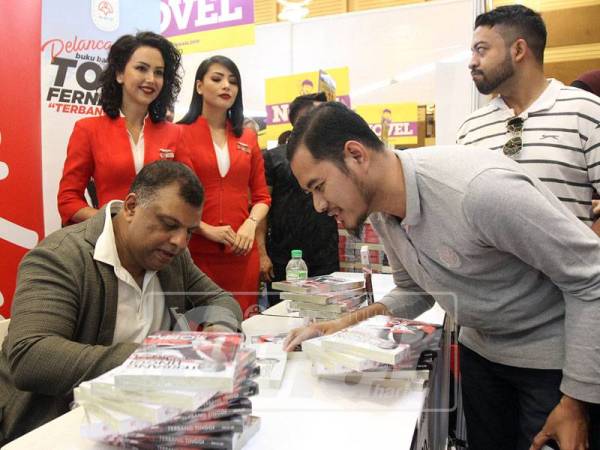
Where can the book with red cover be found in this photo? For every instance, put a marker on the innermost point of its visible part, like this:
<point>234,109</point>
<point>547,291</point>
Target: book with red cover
<point>185,360</point>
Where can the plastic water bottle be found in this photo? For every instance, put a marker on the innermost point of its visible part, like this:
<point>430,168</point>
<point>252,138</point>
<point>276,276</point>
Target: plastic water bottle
<point>296,269</point>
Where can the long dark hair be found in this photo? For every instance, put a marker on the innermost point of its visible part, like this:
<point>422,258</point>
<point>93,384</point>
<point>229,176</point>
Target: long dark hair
<point>235,114</point>
<point>120,52</point>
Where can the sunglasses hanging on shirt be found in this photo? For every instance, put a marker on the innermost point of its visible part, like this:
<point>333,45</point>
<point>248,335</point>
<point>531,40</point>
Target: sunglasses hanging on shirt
<point>514,145</point>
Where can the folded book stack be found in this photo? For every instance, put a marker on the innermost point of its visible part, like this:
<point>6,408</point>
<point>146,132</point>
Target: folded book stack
<point>177,390</point>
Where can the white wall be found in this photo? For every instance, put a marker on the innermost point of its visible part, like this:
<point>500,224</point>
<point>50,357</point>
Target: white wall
<point>407,43</point>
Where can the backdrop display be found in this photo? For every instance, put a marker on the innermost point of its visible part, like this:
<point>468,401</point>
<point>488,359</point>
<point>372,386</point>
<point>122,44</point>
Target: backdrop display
<point>204,25</point>
<point>395,124</point>
<point>73,52</point>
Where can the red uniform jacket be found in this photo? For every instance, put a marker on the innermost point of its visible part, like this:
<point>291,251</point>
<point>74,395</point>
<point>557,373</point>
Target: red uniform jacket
<point>99,147</point>
<point>227,199</point>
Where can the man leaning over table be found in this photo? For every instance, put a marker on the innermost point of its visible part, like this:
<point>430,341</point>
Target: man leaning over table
<point>525,272</point>
<point>90,293</point>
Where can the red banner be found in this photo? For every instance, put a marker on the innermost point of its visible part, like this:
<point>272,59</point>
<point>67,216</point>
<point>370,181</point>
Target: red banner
<point>21,208</point>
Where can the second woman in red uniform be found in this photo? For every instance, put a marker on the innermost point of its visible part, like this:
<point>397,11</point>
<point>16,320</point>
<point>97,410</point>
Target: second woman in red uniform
<point>228,161</point>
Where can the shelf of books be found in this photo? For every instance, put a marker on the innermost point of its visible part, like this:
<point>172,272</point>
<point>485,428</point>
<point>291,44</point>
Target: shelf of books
<point>349,250</point>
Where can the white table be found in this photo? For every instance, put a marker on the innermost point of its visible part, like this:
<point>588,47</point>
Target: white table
<point>304,413</point>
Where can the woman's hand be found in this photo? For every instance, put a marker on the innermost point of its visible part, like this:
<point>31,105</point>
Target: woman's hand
<point>244,237</point>
<point>222,234</point>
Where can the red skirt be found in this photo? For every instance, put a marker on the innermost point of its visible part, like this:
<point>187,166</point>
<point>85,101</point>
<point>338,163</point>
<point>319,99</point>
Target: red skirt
<point>237,274</point>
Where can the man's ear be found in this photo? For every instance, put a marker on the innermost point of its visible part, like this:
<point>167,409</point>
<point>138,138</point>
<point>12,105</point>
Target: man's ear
<point>130,205</point>
<point>355,153</point>
<point>519,49</point>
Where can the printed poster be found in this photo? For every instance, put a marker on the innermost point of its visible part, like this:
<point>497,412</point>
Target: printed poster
<point>280,91</point>
<point>394,123</point>
<point>205,25</point>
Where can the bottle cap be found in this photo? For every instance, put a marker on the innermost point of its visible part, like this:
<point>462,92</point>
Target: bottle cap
<point>296,253</point>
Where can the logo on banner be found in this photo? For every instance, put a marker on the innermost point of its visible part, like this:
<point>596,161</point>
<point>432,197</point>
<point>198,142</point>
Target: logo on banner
<point>105,14</point>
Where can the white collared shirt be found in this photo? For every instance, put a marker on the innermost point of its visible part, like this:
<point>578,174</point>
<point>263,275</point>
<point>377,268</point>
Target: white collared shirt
<point>139,311</point>
<point>223,161</point>
<point>137,150</point>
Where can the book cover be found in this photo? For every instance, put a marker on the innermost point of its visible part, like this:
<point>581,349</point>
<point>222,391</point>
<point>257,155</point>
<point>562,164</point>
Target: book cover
<point>186,361</point>
<point>381,338</point>
<point>320,284</point>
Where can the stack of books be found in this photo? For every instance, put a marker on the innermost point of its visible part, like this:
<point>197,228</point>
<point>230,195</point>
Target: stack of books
<point>324,297</point>
<point>383,349</point>
<point>177,390</point>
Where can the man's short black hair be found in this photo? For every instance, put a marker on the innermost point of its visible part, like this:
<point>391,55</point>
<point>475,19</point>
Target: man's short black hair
<point>303,101</point>
<point>520,22</point>
<point>162,173</point>
<point>325,130</point>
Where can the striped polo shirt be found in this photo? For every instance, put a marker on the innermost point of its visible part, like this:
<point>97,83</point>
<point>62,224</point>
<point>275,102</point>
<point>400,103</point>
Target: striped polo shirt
<point>561,141</point>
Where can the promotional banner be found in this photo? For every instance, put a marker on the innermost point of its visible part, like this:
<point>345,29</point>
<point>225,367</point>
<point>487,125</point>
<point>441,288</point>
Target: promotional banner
<point>204,25</point>
<point>394,123</point>
<point>280,91</point>
<point>21,210</point>
<point>76,37</point>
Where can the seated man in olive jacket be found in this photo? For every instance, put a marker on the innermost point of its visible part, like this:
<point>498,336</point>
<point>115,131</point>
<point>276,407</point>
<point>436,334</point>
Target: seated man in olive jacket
<point>90,293</point>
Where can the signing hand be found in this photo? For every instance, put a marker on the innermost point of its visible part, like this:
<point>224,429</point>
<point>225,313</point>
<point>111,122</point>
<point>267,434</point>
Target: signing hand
<point>567,424</point>
<point>299,335</point>
<point>222,234</point>
<point>244,238</point>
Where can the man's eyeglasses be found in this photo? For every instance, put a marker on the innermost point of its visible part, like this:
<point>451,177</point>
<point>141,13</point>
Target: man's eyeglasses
<point>515,143</point>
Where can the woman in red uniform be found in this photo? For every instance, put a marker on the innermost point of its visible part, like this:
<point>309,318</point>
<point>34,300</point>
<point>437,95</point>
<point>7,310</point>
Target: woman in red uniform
<point>140,82</point>
<point>226,158</point>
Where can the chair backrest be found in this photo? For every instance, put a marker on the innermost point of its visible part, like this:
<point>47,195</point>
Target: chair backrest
<point>3,329</point>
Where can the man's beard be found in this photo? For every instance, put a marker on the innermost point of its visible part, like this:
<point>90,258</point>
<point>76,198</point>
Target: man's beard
<point>367,197</point>
<point>357,230</point>
<point>488,84</point>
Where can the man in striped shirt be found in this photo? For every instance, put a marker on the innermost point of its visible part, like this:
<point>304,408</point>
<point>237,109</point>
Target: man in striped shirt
<point>552,129</point>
